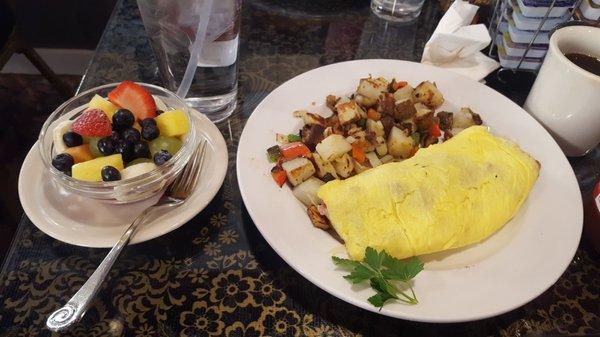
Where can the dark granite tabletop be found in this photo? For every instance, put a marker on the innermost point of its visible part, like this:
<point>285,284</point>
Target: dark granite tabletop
<point>216,275</point>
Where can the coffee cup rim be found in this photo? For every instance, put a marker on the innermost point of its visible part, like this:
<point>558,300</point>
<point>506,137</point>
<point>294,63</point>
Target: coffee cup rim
<point>566,30</point>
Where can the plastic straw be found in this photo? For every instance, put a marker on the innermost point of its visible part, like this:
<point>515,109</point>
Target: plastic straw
<point>186,82</point>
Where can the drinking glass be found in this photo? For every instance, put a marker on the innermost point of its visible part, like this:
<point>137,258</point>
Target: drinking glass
<point>172,27</point>
<point>397,10</point>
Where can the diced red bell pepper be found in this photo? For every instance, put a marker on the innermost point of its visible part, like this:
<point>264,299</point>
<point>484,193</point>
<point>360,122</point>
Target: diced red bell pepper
<point>279,175</point>
<point>294,150</point>
<point>399,85</point>
<point>434,130</point>
<point>358,153</point>
<point>373,114</point>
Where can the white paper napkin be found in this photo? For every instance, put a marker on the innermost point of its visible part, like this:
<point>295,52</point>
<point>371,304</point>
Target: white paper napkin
<point>455,45</point>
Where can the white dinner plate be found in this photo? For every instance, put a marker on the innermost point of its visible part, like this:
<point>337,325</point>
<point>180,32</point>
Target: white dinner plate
<point>505,271</point>
<point>87,222</point>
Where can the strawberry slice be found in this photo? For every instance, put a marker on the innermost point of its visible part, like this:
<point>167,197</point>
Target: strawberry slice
<point>92,123</point>
<point>135,98</point>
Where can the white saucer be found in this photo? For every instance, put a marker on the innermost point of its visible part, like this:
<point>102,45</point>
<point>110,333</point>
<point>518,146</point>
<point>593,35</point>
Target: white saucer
<point>87,222</point>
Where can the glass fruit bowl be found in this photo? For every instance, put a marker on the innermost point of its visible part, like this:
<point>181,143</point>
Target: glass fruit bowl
<point>121,191</point>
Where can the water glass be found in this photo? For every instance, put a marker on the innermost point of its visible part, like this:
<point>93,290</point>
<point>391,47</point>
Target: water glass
<point>397,10</point>
<point>171,27</point>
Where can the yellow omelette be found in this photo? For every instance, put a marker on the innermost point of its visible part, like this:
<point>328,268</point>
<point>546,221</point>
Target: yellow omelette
<point>447,196</point>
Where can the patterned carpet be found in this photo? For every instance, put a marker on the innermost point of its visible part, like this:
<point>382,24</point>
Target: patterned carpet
<point>25,102</point>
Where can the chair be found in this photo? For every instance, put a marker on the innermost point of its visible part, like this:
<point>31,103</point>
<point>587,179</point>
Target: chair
<point>11,43</point>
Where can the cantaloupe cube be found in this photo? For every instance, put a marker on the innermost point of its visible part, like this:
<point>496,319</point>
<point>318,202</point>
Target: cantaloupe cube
<point>80,153</point>
<point>172,123</point>
<point>90,170</point>
<point>108,107</point>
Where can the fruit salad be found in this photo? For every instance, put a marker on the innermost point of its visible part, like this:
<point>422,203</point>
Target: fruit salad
<point>119,137</point>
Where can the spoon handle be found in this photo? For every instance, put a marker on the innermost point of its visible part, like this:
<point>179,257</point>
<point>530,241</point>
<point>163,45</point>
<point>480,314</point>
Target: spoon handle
<point>76,307</point>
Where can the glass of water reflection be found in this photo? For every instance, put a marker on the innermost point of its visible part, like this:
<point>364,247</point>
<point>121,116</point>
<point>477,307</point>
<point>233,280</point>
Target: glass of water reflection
<point>397,10</point>
<point>171,28</point>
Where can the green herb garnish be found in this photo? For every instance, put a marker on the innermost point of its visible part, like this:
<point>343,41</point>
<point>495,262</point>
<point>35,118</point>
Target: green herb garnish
<point>293,138</point>
<point>416,138</point>
<point>384,273</point>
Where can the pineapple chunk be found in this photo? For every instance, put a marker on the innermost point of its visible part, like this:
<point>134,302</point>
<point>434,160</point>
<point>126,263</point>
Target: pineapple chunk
<point>90,170</point>
<point>98,102</point>
<point>172,123</point>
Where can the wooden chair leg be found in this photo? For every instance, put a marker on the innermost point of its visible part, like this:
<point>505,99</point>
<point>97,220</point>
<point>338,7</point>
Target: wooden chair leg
<point>45,70</point>
<point>10,47</point>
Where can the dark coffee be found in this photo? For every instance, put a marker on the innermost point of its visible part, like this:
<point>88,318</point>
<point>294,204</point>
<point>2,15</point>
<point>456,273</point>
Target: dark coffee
<point>586,62</point>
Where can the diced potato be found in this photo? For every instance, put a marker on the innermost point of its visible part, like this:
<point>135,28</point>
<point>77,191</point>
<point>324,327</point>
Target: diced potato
<point>309,118</point>
<point>465,118</point>
<point>421,109</point>
<point>404,93</point>
<point>344,165</point>
<point>404,109</point>
<point>399,144</point>
<point>372,87</point>
<point>298,170</point>
<point>349,112</point>
<point>365,101</point>
<point>359,168</point>
<point>376,127</point>
<point>373,159</point>
<point>306,192</point>
<point>387,159</point>
<point>332,147</point>
<point>323,167</point>
<point>382,149</point>
<point>427,93</point>
<point>456,131</point>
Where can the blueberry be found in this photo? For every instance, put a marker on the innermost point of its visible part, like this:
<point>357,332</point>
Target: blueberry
<point>122,119</point>
<point>161,157</point>
<point>116,137</point>
<point>150,132</point>
<point>110,173</point>
<point>159,112</point>
<point>141,150</point>
<point>106,146</point>
<point>63,162</point>
<point>147,121</point>
<point>72,139</point>
<point>125,148</point>
<point>131,135</point>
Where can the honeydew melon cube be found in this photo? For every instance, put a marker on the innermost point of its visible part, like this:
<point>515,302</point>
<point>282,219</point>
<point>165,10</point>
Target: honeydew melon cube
<point>90,170</point>
<point>172,123</point>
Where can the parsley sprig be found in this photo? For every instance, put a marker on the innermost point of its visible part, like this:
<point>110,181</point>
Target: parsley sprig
<point>383,272</point>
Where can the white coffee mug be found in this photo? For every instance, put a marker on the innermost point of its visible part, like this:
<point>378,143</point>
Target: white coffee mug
<point>565,98</point>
